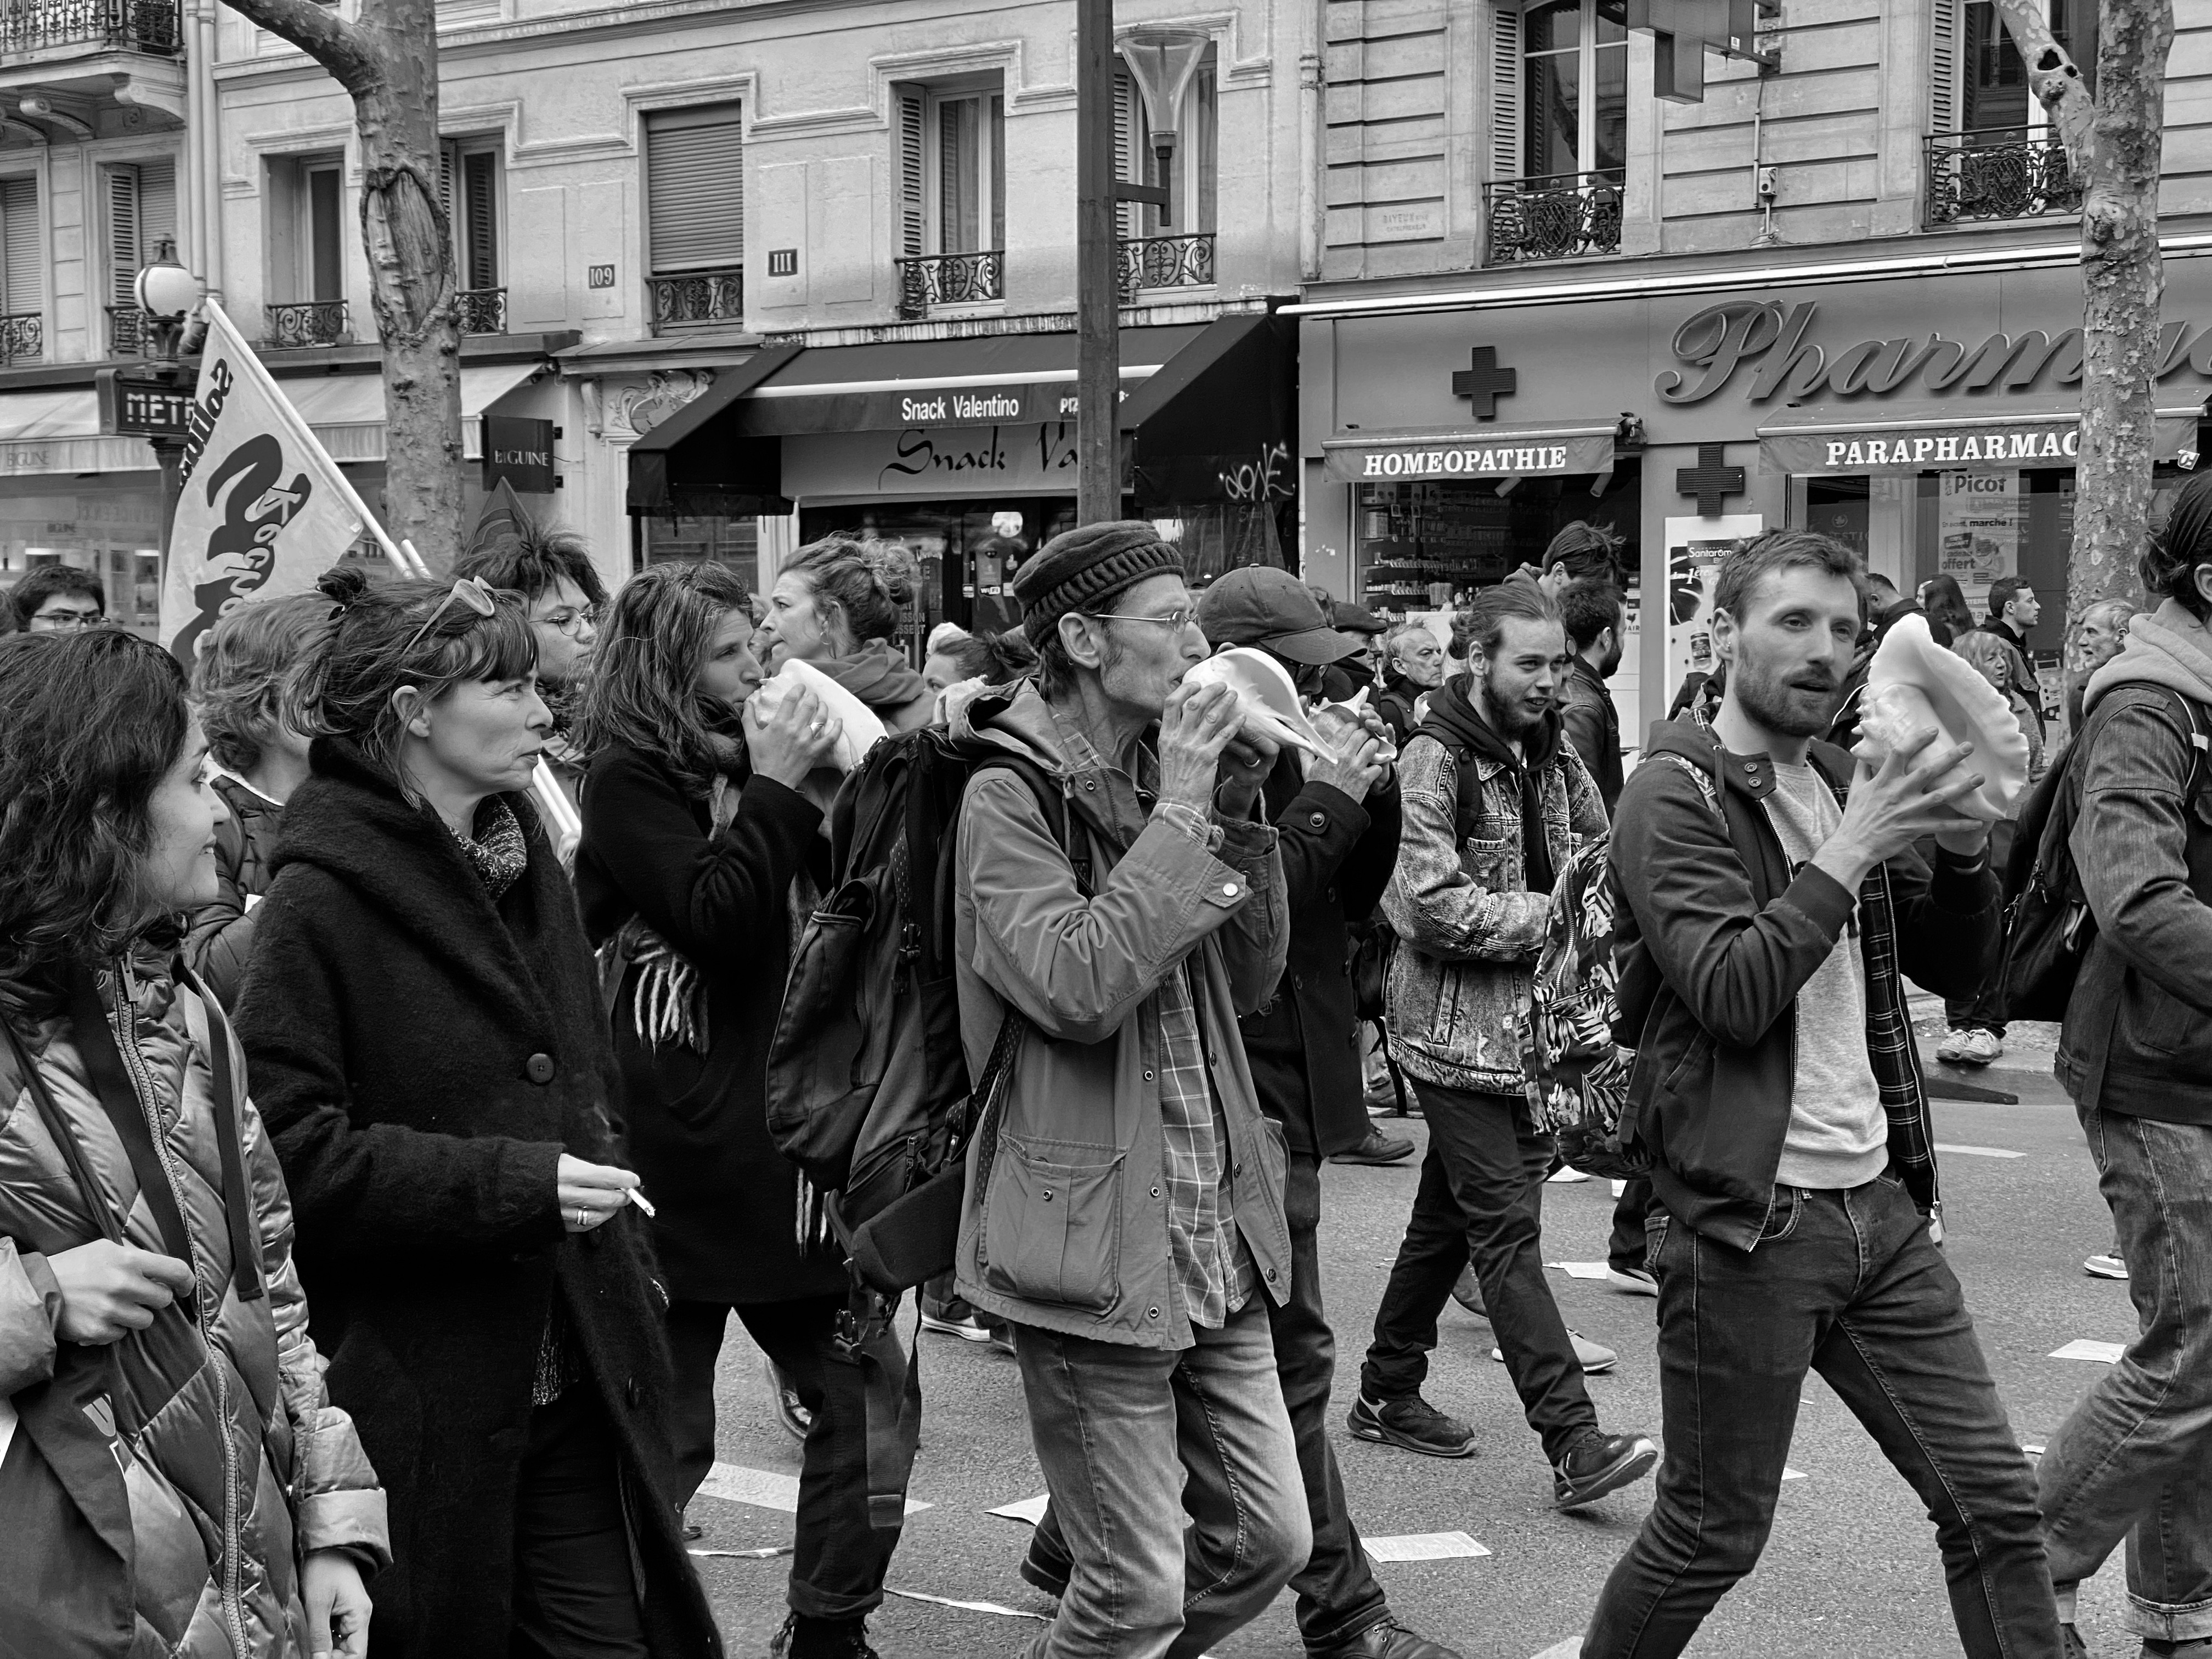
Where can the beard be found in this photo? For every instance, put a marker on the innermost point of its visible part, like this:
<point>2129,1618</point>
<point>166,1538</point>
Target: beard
<point>1798,704</point>
<point>1512,718</point>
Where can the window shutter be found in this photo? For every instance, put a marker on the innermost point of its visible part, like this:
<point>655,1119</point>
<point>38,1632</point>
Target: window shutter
<point>445,153</point>
<point>1129,151</point>
<point>157,206</point>
<point>995,114</point>
<point>480,218</point>
<point>1505,127</point>
<point>912,186</point>
<point>21,288</point>
<point>1944,33</point>
<point>695,188</point>
<point>123,240</point>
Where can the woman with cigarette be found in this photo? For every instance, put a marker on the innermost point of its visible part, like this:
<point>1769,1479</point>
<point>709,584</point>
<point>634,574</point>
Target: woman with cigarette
<point>695,833</point>
<point>428,1048</point>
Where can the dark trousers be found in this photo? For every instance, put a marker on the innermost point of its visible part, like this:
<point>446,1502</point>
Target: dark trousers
<point>1850,1285</point>
<point>1984,1011</point>
<point>838,1559</point>
<point>1481,1197</point>
<point>1626,1250</point>
<point>1338,1596</point>
<point>575,1593</point>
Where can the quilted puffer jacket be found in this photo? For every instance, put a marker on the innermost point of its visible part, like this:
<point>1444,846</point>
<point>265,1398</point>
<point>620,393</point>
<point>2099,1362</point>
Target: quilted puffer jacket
<point>225,1456</point>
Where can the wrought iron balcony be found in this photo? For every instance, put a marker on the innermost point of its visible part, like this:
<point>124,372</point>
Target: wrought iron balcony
<point>1151,262</point>
<point>306,322</point>
<point>481,311</point>
<point>2019,172</point>
<point>147,25</point>
<point>1567,216</point>
<point>127,331</point>
<point>22,338</point>
<point>698,299</point>
<point>951,279</point>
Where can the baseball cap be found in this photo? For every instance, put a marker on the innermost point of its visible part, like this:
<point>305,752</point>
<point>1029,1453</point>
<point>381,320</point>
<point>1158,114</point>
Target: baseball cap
<point>1259,604</point>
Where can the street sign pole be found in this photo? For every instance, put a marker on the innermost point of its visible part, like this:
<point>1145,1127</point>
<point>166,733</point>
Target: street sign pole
<point>152,405</point>
<point>1097,340</point>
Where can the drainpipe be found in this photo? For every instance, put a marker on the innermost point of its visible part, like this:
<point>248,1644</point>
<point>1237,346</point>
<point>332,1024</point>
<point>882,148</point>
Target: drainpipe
<point>1311,205</point>
<point>208,182</point>
<point>193,255</point>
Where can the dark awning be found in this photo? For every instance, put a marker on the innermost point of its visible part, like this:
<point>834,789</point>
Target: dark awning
<point>698,462</point>
<point>1219,420</point>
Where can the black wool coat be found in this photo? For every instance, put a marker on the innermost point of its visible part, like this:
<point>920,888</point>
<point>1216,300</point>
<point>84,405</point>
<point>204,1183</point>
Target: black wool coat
<point>728,1229</point>
<point>423,1058</point>
<point>1337,858</point>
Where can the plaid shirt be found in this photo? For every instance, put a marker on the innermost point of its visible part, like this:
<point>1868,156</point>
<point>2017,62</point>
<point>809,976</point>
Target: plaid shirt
<point>1212,1264</point>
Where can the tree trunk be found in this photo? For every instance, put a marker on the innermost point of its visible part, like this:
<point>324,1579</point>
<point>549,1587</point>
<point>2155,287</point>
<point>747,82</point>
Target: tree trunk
<point>2122,282</point>
<point>387,60</point>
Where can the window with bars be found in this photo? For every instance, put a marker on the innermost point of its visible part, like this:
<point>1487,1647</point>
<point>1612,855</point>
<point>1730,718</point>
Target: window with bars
<point>1573,84</point>
<point>694,189</point>
<point>140,200</point>
<point>1979,81</point>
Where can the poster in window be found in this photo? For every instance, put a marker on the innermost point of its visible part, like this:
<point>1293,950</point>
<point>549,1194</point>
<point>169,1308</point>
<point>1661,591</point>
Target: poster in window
<point>1978,519</point>
<point>1695,548</point>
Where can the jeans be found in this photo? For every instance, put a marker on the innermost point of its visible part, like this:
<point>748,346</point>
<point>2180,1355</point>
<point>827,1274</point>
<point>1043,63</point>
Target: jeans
<point>1130,1439</point>
<point>2135,1458</point>
<point>1984,1011</point>
<point>575,1596</point>
<point>838,1559</point>
<point>1850,1285</point>
<point>1626,1248</point>
<point>1482,1197</point>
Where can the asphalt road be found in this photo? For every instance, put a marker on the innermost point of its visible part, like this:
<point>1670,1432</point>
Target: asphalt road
<point>1851,1568</point>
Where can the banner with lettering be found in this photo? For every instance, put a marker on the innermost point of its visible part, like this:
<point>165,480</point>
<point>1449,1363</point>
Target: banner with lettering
<point>264,510</point>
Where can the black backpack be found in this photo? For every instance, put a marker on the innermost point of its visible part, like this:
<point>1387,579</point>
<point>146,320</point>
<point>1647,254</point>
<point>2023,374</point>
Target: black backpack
<point>868,1090</point>
<point>2048,926</point>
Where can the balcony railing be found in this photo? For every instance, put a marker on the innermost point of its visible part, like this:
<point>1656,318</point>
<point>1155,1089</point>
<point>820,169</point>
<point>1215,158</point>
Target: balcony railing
<point>1568,215</point>
<point>147,25</point>
<point>307,323</point>
<point>697,299</point>
<point>481,310</point>
<point>951,279</point>
<point>127,331</point>
<point>1165,261</point>
<point>22,338</point>
<point>2016,174</point>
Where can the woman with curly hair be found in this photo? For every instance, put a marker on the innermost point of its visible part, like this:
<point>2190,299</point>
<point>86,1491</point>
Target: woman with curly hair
<point>695,833</point>
<point>173,1475</point>
<point>836,603</point>
<point>429,1045</point>
<point>246,662</point>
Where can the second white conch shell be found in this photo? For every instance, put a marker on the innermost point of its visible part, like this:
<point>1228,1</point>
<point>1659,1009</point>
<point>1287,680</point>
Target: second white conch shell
<point>859,727</point>
<point>1270,698</point>
<point>1914,684</point>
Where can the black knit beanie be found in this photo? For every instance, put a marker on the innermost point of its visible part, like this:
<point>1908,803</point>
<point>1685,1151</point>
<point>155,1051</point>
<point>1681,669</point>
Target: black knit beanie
<point>1081,569</point>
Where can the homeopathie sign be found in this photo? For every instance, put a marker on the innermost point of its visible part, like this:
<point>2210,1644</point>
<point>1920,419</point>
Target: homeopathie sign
<point>1489,453</point>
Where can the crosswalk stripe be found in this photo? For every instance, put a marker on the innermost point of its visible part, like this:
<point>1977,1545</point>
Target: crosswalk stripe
<point>762,1488</point>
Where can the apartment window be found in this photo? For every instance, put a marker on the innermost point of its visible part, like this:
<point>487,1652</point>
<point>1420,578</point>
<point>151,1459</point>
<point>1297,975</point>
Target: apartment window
<point>307,229</point>
<point>1574,88</point>
<point>1989,90</point>
<point>694,187</point>
<point>952,170</point>
<point>469,186</point>
<point>22,269</point>
<point>1992,153</point>
<point>138,202</point>
<point>1197,140</point>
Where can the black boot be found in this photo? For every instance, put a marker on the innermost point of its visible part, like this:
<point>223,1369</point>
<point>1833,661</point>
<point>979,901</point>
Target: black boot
<point>804,1638</point>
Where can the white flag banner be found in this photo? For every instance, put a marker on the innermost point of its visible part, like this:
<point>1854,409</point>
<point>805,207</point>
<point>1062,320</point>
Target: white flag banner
<point>265,510</point>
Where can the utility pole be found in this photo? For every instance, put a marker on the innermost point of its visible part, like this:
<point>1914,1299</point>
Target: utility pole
<point>1098,297</point>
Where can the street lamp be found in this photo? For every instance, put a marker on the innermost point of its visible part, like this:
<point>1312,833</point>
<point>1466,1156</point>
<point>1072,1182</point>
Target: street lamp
<point>1162,62</point>
<point>165,292</point>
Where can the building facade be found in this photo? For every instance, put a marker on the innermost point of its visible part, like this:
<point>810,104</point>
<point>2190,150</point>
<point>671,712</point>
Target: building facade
<point>1830,280</point>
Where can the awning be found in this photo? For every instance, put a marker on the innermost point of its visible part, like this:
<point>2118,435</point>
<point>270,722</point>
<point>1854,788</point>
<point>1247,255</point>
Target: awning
<point>346,411</point>
<point>1475,452</point>
<point>1218,422</point>
<point>995,379</point>
<point>57,430</point>
<point>1932,436</point>
<point>699,463</point>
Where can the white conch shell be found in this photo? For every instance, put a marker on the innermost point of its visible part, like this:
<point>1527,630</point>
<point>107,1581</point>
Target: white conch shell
<point>1270,698</point>
<point>1913,684</point>
<point>860,728</point>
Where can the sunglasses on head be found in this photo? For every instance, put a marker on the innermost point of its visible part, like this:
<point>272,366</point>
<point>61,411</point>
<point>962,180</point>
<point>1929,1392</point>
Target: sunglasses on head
<point>473,592</point>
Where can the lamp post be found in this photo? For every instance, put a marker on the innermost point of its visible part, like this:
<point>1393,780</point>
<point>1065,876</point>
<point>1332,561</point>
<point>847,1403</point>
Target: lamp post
<point>166,294</point>
<point>1161,62</point>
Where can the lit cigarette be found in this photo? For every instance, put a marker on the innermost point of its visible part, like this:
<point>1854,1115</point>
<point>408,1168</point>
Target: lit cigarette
<point>640,1201</point>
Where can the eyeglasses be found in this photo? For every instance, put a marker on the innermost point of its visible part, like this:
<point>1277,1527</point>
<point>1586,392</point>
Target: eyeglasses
<point>568,623</point>
<point>474,592</point>
<point>59,621</point>
<point>1175,619</point>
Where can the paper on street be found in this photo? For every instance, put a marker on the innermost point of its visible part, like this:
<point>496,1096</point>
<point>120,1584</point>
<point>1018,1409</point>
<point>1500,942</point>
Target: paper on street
<point>767,1554</point>
<point>2104,1353</point>
<point>992,1607</point>
<point>1978,1152</point>
<point>1579,1269</point>
<point>1031,1510</point>
<point>1425,1547</point>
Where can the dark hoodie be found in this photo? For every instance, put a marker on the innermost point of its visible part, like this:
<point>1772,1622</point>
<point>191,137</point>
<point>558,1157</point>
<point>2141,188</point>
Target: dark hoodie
<point>1714,937</point>
<point>1454,721</point>
<point>2138,1033</point>
<point>883,679</point>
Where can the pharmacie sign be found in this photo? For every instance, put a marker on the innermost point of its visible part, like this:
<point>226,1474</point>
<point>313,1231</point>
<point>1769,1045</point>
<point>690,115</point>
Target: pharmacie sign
<point>1484,453</point>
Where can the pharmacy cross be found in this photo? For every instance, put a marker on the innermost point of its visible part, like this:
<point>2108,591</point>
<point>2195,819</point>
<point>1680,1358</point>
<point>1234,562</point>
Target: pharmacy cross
<point>1708,481</point>
<point>1484,382</point>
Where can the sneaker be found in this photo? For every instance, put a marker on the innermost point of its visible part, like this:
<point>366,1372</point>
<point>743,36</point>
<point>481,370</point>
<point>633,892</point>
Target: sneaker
<point>1634,1281</point>
<point>1596,1359</point>
<point>2106,1267</point>
<point>1969,1046</point>
<point>1378,1148</point>
<point>1412,1423</point>
<point>1599,1463</point>
<point>1467,1292</point>
<point>790,1410</point>
<point>967,1328</point>
<point>1951,1050</point>
<point>1565,1175</point>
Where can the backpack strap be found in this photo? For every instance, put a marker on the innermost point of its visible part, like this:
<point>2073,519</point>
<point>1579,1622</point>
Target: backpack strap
<point>64,1138</point>
<point>237,1197</point>
<point>111,1083</point>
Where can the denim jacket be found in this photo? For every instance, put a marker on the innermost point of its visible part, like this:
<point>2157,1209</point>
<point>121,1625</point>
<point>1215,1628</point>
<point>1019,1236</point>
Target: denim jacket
<point>1468,929</point>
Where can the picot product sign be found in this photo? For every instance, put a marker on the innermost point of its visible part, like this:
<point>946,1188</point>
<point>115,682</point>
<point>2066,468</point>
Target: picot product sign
<point>518,450</point>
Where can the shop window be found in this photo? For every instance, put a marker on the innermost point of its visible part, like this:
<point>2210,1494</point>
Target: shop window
<point>468,179</point>
<point>734,542</point>
<point>1428,546</point>
<point>1558,134</point>
<point>695,215</point>
<point>952,182</point>
<point>1992,153</point>
<point>97,526</point>
<point>138,205</point>
<point>22,273</point>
